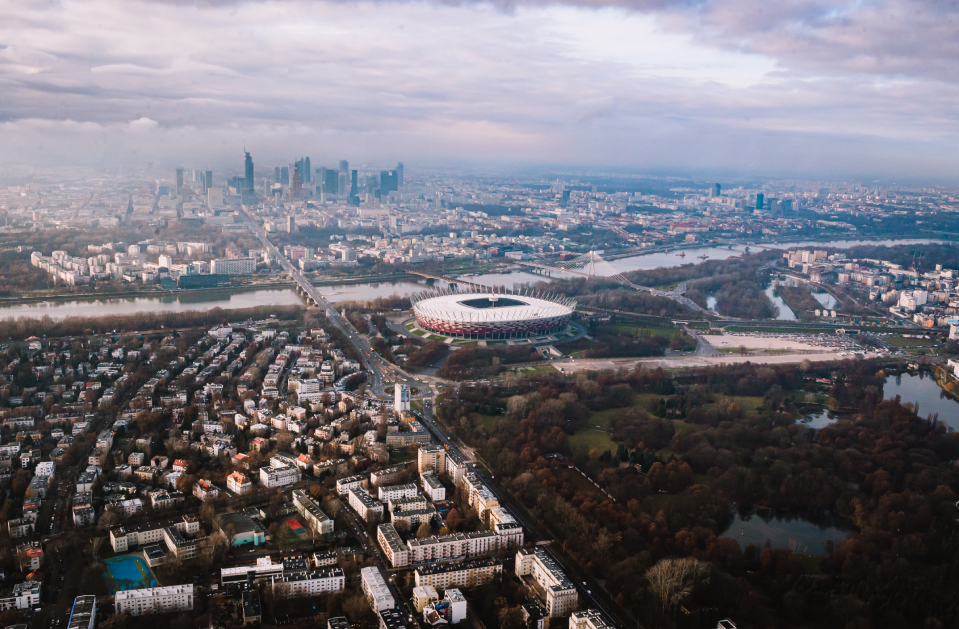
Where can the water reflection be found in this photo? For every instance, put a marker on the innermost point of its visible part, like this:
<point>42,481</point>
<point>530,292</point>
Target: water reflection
<point>166,302</point>
<point>922,389</point>
<point>818,420</point>
<point>801,533</point>
<point>785,312</point>
<point>827,300</point>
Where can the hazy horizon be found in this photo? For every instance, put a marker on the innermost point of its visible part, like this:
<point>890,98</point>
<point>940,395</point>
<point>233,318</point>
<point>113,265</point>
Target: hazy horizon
<point>735,90</point>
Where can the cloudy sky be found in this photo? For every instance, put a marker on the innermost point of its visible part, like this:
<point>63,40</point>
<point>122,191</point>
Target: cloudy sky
<point>742,88</point>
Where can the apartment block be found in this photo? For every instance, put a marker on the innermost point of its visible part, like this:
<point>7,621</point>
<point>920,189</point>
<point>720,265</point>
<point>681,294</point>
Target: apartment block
<point>459,574</point>
<point>365,505</point>
<point>155,600</point>
<point>393,492</point>
<point>311,512</point>
<point>310,584</point>
<point>394,548</point>
<point>376,590</point>
<point>559,591</point>
<point>431,458</point>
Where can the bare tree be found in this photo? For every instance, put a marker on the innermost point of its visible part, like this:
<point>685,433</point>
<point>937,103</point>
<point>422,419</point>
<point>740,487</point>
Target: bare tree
<point>673,580</point>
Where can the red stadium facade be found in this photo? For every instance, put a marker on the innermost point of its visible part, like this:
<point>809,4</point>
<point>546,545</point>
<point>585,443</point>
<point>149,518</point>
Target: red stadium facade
<point>490,315</point>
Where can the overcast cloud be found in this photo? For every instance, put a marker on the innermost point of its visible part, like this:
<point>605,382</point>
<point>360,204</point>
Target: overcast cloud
<point>738,87</point>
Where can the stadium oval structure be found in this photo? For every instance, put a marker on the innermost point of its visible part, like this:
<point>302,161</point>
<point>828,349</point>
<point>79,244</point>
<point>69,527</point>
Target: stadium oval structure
<point>487,314</point>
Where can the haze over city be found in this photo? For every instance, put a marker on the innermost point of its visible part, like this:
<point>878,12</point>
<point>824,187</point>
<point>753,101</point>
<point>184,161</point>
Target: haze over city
<point>742,88</point>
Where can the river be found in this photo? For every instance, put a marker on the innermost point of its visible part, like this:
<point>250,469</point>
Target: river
<point>203,300</point>
<point>785,312</point>
<point>922,389</point>
<point>166,302</point>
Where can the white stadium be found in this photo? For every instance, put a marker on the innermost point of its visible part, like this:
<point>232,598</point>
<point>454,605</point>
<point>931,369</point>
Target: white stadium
<point>479,314</point>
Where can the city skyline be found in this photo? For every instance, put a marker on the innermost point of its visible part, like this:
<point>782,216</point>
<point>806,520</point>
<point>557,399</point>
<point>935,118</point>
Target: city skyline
<point>725,89</point>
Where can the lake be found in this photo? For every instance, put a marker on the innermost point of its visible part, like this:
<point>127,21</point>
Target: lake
<point>827,300</point>
<point>922,389</point>
<point>817,420</point>
<point>801,534</point>
<point>166,302</point>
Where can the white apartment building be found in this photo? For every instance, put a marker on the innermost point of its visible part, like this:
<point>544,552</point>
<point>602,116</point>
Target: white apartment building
<point>327,581</point>
<point>589,619</point>
<point>376,590</point>
<point>344,485</point>
<point>233,266</point>
<point>393,492</point>
<point>394,548</point>
<point>481,497</point>
<point>311,512</point>
<point>454,546</point>
<point>432,487</point>
<point>23,596</point>
<point>455,466</point>
<point>156,600</point>
<point>506,526</point>
<point>278,474</point>
<point>365,505</point>
<point>561,596</point>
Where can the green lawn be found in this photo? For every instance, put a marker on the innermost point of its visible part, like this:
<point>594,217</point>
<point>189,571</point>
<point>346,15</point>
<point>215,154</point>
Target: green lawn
<point>401,456</point>
<point>586,439</point>
<point>538,369</point>
<point>435,337</point>
<point>410,326</point>
<point>750,404</point>
<point>901,341</point>
<point>637,330</point>
<point>419,332</point>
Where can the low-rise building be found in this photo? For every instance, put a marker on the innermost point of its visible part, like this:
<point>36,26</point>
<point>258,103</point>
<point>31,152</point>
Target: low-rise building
<point>22,596</point>
<point>205,490</point>
<point>589,619</point>
<point>344,485</point>
<point>314,583</point>
<point>377,592</point>
<point>279,475</point>
<point>454,546</point>
<point>311,512</point>
<point>155,600</point>
<point>394,492</point>
<point>238,483</point>
<point>432,487</point>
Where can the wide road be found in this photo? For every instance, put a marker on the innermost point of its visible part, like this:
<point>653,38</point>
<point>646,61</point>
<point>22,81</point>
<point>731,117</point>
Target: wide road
<point>375,365</point>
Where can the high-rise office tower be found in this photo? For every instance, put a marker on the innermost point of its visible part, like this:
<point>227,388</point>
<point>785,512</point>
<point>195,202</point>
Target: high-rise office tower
<point>248,172</point>
<point>344,166</point>
<point>354,188</point>
<point>209,180</point>
<point>342,183</point>
<point>276,176</point>
<point>285,175</point>
<point>179,181</point>
<point>759,201</point>
<point>388,181</point>
<point>399,174</point>
<point>716,190</point>
<point>296,185</point>
<point>307,171</point>
<point>331,182</point>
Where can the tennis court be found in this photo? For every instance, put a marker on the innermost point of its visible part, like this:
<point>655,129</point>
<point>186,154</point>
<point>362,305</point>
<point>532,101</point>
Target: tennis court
<point>128,573</point>
<point>296,526</point>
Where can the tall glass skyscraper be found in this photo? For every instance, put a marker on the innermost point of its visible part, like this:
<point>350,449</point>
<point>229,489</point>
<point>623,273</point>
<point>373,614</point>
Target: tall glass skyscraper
<point>249,172</point>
